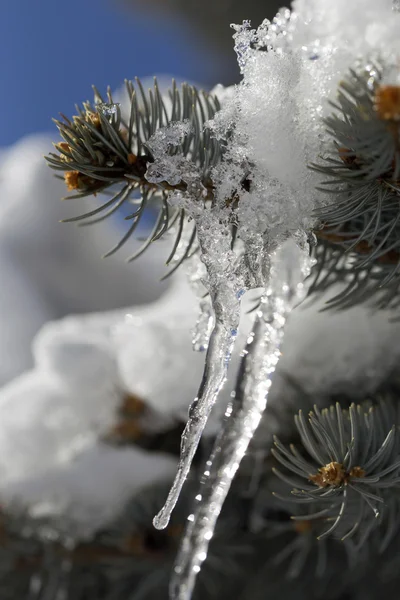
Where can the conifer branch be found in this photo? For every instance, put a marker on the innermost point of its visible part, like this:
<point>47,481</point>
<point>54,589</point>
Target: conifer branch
<point>350,464</point>
<point>363,179</point>
<point>102,150</point>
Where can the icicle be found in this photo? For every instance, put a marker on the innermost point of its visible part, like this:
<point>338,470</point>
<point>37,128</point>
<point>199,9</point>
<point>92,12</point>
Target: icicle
<point>289,266</point>
<point>217,360</point>
<point>225,289</point>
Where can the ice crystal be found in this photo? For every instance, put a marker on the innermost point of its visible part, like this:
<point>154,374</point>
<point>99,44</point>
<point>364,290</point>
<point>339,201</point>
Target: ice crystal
<point>197,275</point>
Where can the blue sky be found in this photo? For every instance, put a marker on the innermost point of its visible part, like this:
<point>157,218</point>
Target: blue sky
<point>53,50</point>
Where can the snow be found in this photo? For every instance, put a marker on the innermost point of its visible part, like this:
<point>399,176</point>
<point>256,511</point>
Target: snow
<point>278,107</point>
<point>155,357</point>
<point>53,418</point>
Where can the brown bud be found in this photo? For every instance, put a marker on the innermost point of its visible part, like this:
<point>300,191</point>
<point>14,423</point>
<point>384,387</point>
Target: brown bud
<point>332,474</point>
<point>72,180</point>
<point>387,102</point>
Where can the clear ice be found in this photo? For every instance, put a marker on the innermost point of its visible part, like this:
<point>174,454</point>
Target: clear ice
<point>290,264</point>
<point>225,300</point>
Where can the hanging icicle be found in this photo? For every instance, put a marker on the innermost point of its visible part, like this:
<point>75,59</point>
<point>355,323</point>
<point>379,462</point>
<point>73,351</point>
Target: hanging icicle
<point>225,293</point>
<point>290,264</point>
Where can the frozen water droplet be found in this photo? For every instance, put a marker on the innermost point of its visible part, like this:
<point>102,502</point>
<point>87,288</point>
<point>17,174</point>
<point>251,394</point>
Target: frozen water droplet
<point>108,109</point>
<point>371,74</point>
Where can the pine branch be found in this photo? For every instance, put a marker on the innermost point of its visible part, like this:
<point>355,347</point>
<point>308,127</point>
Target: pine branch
<point>101,150</point>
<point>360,283</point>
<point>350,466</point>
<point>363,180</point>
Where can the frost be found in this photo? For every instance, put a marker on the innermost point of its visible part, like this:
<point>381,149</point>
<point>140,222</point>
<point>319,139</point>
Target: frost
<point>291,67</point>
